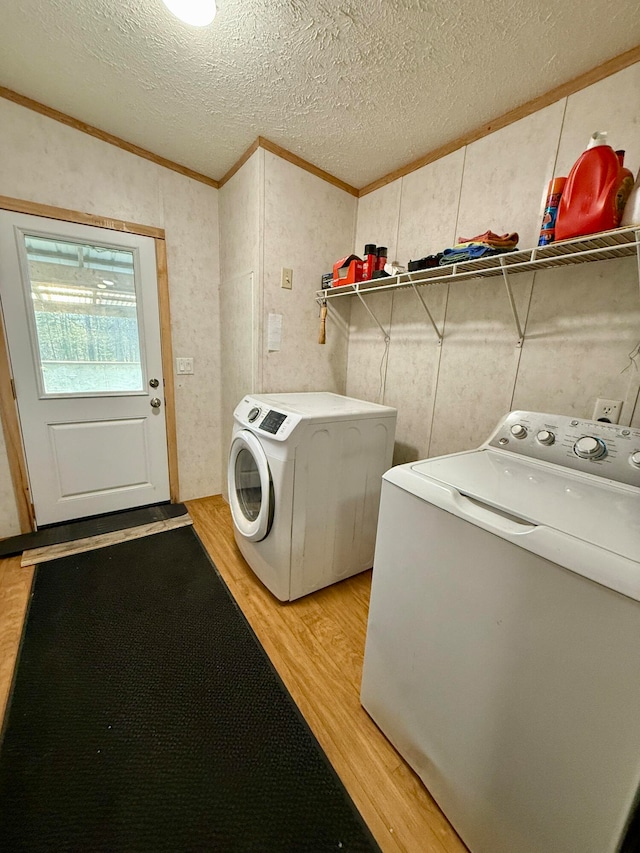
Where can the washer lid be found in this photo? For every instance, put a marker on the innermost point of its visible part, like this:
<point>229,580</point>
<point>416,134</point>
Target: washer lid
<point>592,509</point>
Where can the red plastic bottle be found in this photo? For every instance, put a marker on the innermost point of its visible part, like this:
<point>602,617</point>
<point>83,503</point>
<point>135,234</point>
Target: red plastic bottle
<point>595,193</point>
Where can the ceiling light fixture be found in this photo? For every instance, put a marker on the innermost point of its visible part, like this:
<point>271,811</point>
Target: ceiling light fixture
<point>107,281</point>
<point>198,13</point>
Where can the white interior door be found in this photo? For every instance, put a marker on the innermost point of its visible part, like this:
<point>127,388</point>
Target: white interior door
<point>80,307</point>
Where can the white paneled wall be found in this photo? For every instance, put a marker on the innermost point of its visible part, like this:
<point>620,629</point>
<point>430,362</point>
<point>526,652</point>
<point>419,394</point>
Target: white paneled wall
<point>308,224</point>
<point>581,322</point>
<point>240,270</point>
<point>272,215</point>
<point>378,213</point>
<point>506,175</point>
<point>430,200</point>
<point>191,236</point>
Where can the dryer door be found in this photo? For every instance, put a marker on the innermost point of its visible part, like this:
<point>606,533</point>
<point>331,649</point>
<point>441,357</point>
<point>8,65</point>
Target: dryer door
<point>250,487</point>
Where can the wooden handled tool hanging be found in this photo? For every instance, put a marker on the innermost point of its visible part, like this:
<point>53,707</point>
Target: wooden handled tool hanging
<point>322,336</point>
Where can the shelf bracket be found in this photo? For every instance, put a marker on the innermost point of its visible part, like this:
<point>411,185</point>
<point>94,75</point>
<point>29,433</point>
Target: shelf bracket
<point>387,336</point>
<point>428,313</point>
<point>512,303</point>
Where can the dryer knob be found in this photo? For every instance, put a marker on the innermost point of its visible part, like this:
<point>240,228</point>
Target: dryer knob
<point>253,414</point>
<point>634,459</point>
<point>518,431</point>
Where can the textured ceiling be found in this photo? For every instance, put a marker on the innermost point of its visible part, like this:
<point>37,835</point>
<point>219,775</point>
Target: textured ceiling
<point>356,87</point>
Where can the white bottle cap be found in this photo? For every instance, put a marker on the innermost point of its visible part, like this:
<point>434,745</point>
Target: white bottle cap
<point>598,138</point>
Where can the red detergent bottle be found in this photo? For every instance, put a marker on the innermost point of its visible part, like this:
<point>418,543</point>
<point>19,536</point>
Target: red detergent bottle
<point>596,191</point>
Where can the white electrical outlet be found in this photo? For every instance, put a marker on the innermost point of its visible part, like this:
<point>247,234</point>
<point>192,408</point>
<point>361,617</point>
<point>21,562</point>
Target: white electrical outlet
<point>287,278</point>
<point>607,411</point>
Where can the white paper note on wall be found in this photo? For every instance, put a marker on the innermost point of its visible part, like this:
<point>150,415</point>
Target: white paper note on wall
<point>274,332</point>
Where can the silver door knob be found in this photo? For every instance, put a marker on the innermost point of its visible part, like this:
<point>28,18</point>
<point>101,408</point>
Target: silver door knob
<point>155,402</point>
<point>154,383</point>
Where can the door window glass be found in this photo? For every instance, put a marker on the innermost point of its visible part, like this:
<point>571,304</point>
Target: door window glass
<point>85,317</point>
<point>247,483</point>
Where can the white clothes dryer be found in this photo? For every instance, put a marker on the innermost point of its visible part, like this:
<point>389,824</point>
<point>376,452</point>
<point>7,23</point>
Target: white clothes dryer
<point>503,644</point>
<point>304,475</point>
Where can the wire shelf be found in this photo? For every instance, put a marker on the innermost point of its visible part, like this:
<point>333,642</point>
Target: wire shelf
<point>619,243</point>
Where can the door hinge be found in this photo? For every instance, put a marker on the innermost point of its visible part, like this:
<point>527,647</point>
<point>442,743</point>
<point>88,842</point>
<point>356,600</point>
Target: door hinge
<point>13,388</point>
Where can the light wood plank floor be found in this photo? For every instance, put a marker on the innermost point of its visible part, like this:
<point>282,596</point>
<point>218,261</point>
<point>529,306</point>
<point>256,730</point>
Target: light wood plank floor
<point>317,646</point>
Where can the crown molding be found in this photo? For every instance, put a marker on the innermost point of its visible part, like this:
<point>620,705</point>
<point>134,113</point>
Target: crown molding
<point>606,69</point>
<point>70,121</point>
<point>279,151</point>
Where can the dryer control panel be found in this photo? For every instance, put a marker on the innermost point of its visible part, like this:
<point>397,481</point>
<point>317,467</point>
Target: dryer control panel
<point>606,450</point>
<point>263,420</point>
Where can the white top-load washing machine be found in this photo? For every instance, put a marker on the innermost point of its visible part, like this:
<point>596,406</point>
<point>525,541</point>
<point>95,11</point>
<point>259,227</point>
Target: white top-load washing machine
<point>305,472</point>
<point>503,645</point>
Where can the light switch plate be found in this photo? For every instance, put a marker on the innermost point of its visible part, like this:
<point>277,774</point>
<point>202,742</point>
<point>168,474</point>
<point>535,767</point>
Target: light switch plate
<point>184,365</point>
<point>287,278</point>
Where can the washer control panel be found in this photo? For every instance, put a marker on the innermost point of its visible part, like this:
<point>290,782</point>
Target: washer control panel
<point>607,450</point>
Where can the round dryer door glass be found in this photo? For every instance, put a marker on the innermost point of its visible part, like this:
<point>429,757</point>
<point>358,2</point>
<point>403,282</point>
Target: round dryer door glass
<point>250,487</point>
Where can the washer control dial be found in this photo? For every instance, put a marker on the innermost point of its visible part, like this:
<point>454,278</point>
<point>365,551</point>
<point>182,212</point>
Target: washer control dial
<point>589,447</point>
<point>634,459</point>
<point>545,437</point>
<point>253,414</point>
<point>518,431</point>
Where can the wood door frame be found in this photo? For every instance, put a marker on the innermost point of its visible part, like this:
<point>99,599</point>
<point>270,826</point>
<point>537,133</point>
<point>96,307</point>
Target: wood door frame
<point>8,404</point>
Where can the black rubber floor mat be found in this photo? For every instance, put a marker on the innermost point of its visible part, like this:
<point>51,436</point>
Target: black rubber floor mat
<point>145,716</point>
<point>89,527</point>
